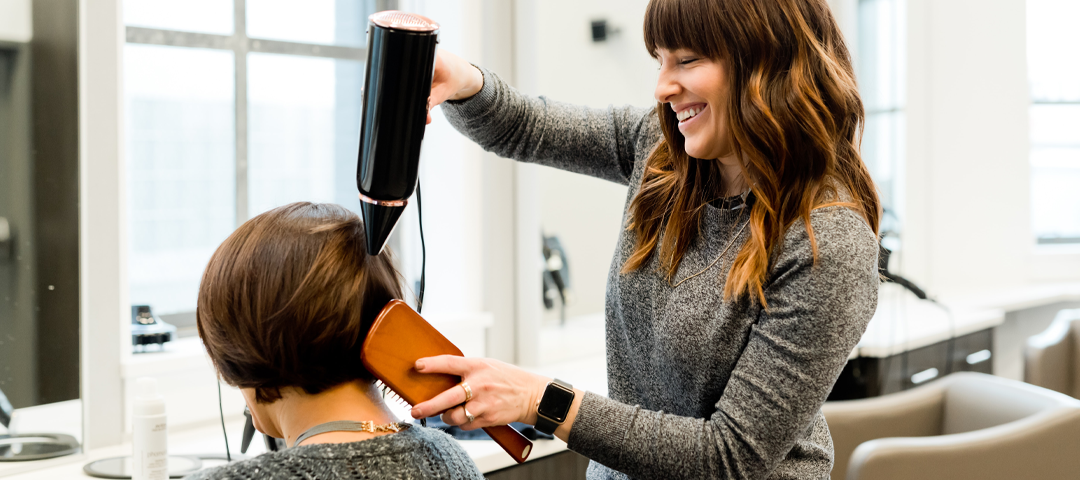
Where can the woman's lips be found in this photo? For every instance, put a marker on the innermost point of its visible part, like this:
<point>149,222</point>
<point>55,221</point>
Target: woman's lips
<point>685,124</point>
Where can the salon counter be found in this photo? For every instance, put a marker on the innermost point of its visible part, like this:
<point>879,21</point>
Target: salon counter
<point>206,439</point>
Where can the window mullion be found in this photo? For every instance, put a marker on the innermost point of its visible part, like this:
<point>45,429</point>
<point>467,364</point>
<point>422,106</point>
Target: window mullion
<point>240,51</point>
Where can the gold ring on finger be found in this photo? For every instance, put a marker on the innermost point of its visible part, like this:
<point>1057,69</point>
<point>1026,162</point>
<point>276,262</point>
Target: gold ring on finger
<point>468,390</point>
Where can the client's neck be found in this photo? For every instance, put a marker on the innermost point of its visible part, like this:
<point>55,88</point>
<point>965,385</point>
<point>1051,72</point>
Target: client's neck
<point>297,412</point>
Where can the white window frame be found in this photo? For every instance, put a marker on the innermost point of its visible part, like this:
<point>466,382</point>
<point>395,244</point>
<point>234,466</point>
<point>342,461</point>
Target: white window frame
<point>105,305</point>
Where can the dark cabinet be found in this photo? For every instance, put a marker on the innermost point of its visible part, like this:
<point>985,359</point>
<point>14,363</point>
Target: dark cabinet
<point>864,377</point>
<point>565,465</point>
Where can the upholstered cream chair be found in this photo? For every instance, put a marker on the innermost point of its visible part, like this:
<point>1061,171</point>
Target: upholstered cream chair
<point>1052,358</point>
<point>963,426</point>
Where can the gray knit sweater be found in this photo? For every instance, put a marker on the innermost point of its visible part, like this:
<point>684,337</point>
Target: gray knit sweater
<point>415,454</point>
<point>700,387</point>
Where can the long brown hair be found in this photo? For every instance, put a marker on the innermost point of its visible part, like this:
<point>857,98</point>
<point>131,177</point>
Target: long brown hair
<point>287,300</point>
<point>794,114</point>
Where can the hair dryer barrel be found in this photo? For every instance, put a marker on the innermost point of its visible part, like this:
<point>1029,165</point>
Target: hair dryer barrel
<point>401,57</point>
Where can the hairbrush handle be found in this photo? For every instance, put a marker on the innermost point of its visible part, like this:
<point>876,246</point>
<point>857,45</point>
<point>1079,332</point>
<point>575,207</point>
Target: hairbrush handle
<point>510,440</point>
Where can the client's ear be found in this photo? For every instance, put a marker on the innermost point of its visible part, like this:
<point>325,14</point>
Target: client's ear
<point>261,416</point>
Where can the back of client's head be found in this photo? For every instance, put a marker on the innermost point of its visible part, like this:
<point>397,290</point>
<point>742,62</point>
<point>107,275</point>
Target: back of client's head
<point>288,299</point>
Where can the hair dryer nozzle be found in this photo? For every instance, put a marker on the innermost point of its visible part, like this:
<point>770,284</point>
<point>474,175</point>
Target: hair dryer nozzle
<point>379,221</point>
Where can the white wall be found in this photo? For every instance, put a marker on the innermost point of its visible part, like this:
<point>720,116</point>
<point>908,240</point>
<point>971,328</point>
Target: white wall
<point>566,65</point>
<point>968,199</point>
<point>450,178</point>
<point>15,25</point>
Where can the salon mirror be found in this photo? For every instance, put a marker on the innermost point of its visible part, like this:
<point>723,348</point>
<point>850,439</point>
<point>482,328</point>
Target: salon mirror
<point>39,227</point>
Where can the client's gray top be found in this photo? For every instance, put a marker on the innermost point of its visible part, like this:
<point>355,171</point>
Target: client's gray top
<point>700,387</point>
<point>414,454</point>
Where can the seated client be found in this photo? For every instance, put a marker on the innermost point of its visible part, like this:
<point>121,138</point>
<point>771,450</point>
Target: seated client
<point>284,307</point>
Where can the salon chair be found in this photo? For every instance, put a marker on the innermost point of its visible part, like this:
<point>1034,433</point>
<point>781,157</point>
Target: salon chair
<point>1052,358</point>
<point>964,426</point>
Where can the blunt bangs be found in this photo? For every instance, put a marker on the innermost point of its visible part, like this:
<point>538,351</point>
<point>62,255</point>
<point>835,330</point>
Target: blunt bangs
<point>690,24</point>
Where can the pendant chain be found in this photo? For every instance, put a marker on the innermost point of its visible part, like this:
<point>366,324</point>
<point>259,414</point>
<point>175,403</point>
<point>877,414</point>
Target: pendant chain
<point>726,248</point>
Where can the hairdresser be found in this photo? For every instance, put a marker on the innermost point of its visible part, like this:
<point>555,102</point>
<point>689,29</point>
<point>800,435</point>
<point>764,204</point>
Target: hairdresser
<point>746,269</point>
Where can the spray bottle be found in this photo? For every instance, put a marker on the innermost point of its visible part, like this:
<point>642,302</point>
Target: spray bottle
<point>150,455</point>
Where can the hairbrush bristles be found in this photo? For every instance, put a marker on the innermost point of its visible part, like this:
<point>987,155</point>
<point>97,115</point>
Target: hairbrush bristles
<point>388,392</point>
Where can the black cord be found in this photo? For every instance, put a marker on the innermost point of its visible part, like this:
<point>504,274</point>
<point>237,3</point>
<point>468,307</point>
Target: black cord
<point>423,250</point>
<point>221,410</point>
<point>423,262</point>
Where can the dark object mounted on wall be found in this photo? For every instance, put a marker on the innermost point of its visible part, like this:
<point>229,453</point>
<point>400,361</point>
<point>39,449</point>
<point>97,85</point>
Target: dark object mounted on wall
<point>556,275</point>
<point>601,30</point>
<point>883,269</point>
<point>148,329</point>
<point>397,83</point>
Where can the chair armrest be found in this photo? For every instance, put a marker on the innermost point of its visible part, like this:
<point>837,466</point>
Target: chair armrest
<point>1042,446</point>
<point>912,413</point>
<point>1048,357</point>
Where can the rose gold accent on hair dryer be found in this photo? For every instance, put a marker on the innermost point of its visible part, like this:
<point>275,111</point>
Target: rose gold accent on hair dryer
<point>404,21</point>
<point>383,203</point>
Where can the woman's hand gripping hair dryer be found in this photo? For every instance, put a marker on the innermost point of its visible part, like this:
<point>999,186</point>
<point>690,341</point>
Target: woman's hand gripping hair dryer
<point>400,63</point>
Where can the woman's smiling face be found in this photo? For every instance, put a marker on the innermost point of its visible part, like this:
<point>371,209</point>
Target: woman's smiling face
<point>695,87</point>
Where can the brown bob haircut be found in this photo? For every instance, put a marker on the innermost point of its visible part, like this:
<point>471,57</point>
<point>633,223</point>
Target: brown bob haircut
<point>287,300</point>
<point>794,114</point>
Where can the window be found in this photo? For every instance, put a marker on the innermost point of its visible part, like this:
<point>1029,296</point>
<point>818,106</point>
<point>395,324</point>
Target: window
<point>880,70</point>
<point>1054,75</point>
<point>232,108</point>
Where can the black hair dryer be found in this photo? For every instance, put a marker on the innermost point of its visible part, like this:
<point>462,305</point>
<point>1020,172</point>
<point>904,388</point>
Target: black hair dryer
<point>400,64</point>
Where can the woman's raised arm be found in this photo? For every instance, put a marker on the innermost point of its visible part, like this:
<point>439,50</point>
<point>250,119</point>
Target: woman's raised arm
<point>599,142</point>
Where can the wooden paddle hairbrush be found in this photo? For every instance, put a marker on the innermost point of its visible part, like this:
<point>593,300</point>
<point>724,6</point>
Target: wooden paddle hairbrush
<point>398,338</point>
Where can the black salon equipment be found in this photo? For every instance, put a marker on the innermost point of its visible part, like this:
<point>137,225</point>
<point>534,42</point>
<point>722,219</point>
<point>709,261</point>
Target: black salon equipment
<point>397,83</point>
<point>148,329</point>
<point>272,444</point>
<point>556,275</point>
<point>883,269</point>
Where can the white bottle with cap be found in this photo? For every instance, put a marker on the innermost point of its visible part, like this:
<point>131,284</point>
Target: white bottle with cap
<point>149,453</point>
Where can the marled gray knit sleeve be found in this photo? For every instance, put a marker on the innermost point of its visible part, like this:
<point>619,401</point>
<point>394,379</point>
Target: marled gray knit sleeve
<point>796,350</point>
<point>599,142</point>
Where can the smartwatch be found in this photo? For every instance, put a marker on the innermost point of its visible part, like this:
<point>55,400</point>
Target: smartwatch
<point>554,406</point>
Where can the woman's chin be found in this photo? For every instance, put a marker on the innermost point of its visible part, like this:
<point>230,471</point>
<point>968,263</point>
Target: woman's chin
<point>697,152</point>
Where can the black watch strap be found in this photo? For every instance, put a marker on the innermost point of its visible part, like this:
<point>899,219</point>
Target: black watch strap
<point>546,426</point>
<point>554,406</point>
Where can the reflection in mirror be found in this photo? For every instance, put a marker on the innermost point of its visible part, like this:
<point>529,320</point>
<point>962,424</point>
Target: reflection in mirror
<point>39,223</point>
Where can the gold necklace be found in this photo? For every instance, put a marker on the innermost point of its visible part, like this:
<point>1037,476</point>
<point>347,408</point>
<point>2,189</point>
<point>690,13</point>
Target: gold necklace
<point>726,248</point>
<point>366,426</point>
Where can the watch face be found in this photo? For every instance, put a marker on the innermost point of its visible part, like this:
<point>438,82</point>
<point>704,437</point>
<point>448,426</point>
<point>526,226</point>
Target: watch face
<point>556,403</point>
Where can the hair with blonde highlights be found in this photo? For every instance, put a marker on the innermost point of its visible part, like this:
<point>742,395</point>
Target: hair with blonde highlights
<point>794,114</point>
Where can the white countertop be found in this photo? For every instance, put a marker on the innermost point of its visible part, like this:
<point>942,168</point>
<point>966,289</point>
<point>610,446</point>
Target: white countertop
<point>903,322</point>
<point>1011,299</point>
<point>208,440</point>
<point>587,373</point>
